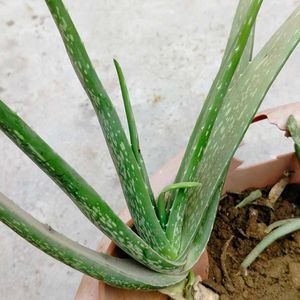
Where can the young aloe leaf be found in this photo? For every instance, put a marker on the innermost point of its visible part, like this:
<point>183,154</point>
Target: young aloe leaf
<point>254,195</point>
<point>134,139</point>
<point>239,107</point>
<point>278,224</point>
<point>82,194</point>
<point>161,204</point>
<point>124,273</point>
<point>286,228</point>
<point>295,133</point>
<point>206,120</point>
<point>132,182</point>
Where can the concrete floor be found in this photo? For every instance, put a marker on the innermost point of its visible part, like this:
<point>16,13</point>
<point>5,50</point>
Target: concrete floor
<point>170,52</point>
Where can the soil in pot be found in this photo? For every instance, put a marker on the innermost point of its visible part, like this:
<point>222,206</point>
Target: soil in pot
<point>275,274</point>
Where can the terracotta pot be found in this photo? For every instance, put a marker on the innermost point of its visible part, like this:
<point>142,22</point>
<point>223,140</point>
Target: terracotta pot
<point>238,179</point>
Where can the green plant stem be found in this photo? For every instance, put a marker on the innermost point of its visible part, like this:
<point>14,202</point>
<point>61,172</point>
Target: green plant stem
<point>281,231</point>
<point>254,195</point>
<point>277,224</point>
<point>114,271</point>
<point>134,139</point>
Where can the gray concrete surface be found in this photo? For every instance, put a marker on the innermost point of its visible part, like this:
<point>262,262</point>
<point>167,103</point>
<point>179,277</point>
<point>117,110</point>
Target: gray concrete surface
<point>170,52</point>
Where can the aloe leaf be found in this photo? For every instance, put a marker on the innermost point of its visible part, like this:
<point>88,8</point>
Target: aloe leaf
<point>295,133</point>
<point>203,234</point>
<point>205,228</point>
<point>278,224</point>
<point>238,19</point>
<point>246,57</point>
<point>132,182</point>
<point>124,273</point>
<point>134,139</point>
<point>202,131</point>
<point>161,205</point>
<point>239,107</point>
<point>240,15</point>
<point>82,194</point>
<point>277,233</point>
<point>254,195</point>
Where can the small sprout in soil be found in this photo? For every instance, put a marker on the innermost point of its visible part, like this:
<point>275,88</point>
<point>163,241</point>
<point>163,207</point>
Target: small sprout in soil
<point>254,195</point>
<point>286,227</point>
<point>277,224</point>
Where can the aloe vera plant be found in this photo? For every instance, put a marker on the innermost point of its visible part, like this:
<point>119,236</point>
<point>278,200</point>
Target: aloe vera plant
<point>170,232</point>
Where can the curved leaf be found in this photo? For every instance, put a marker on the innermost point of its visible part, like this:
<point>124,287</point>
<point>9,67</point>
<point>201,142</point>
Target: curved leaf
<point>246,57</point>
<point>161,203</point>
<point>282,230</point>
<point>205,228</point>
<point>134,187</point>
<point>134,138</point>
<point>124,273</point>
<point>82,194</point>
<point>204,125</point>
<point>240,105</point>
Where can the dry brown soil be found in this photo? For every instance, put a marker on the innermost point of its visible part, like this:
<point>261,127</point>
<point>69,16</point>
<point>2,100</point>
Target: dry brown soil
<point>275,274</point>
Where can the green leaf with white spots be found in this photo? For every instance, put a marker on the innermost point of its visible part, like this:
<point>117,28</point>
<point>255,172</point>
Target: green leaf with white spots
<point>240,15</point>
<point>124,273</point>
<point>134,138</point>
<point>205,228</point>
<point>207,222</point>
<point>82,194</point>
<point>295,133</point>
<point>204,125</point>
<point>134,187</point>
<point>237,111</point>
<point>235,95</point>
